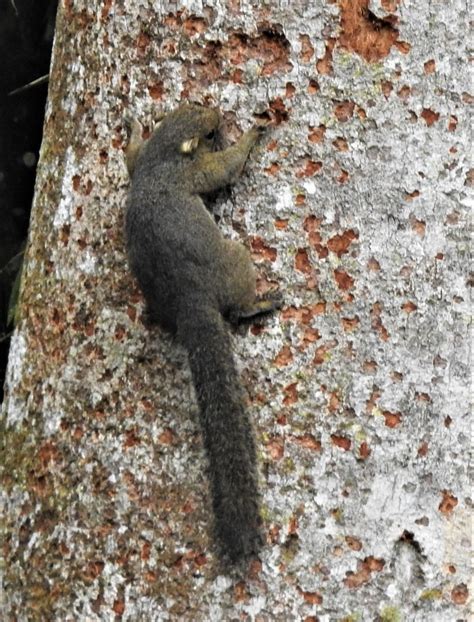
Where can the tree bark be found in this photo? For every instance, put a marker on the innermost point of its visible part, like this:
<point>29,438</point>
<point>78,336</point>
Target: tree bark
<point>355,204</point>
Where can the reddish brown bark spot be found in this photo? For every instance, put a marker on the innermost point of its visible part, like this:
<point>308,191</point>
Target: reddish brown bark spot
<point>343,279</point>
<point>119,607</point>
<point>341,441</point>
<point>341,144</point>
<point>404,93</point>
<point>448,503</point>
<point>409,306</point>
<point>343,111</point>
<point>350,323</point>
<point>324,64</point>
<point>452,123</point>
<point>291,394</point>
<point>194,25</point>
<point>418,226</point>
<point>262,251</point>
<point>290,90</point>
<point>308,441</point>
<point>316,134</point>
<point>373,265</point>
<point>313,598</point>
<point>281,223</point>
<point>364,451</point>
<point>423,449</point>
<point>369,367</point>
<point>313,87</point>
<point>363,32</point>
<point>273,169</point>
<point>339,244</point>
<point>376,321</point>
<point>166,437</point>
<point>365,568</point>
<point>387,88</point>
<point>307,50</point>
<point>392,420</point>
<point>412,195</point>
<point>156,90</point>
<point>284,357</point>
<point>143,42</point>
<point>430,66</point>
<point>353,543</point>
<point>460,594</point>
<point>429,116</point>
<point>302,262</point>
<point>276,447</point>
<point>310,168</point>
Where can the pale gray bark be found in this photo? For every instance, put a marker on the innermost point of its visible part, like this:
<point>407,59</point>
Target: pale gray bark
<point>356,205</point>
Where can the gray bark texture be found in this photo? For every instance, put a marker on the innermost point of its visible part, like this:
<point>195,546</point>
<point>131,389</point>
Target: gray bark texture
<point>356,204</point>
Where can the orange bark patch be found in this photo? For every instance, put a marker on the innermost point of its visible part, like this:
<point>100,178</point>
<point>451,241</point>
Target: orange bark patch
<point>284,357</point>
<point>452,123</point>
<point>373,265</point>
<point>341,441</point>
<point>281,223</point>
<point>308,441</point>
<point>302,262</point>
<point>365,568</point>
<point>316,134</point>
<point>364,451</point>
<point>460,594</point>
<point>272,169</point>
<point>270,47</point>
<point>343,111</point>
<point>376,321</point>
<point>350,323</point>
<point>409,306</point>
<point>430,66</point>
<point>412,195</point>
<point>324,64</point>
<point>276,447</point>
<point>313,598</point>
<point>353,543</point>
<point>363,32</point>
<point>448,503</point>
<point>340,144</point>
<point>307,50</point>
<point>419,226</point>
<point>194,25</point>
<point>291,394</point>
<point>322,354</point>
<point>310,168</point>
<point>339,244</point>
<point>387,87</point>
<point>156,90</point>
<point>423,449</point>
<point>313,87</point>
<point>343,279</point>
<point>261,250</point>
<point>429,116</point>
<point>392,420</point>
<point>290,90</point>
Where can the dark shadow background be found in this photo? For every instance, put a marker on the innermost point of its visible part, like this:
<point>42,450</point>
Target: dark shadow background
<point>26,37</point>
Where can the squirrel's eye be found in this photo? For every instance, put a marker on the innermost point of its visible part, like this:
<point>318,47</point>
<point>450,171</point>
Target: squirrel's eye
<point>211,135</point>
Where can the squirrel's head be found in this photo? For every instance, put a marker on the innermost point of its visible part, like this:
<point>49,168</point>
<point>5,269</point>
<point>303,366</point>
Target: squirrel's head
<point>187,130</point>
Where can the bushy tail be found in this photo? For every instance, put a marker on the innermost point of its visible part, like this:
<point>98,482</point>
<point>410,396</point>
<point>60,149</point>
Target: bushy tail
<point>226,432</point>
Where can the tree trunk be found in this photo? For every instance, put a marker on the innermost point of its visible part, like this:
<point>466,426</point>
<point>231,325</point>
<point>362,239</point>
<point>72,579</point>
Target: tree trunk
<point>355,205</point>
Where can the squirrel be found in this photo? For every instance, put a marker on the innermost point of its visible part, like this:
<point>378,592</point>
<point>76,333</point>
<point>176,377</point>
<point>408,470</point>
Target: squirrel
<point>193,279</point>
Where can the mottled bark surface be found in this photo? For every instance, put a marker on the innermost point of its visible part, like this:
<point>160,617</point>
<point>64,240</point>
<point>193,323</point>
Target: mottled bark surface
<point>356,205</point>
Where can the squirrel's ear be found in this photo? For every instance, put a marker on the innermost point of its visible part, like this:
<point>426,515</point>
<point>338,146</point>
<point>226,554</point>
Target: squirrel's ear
<point>188,146</point>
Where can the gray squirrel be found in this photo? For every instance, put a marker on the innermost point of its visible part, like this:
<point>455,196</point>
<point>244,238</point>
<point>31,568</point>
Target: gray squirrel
<point>193,279</point>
